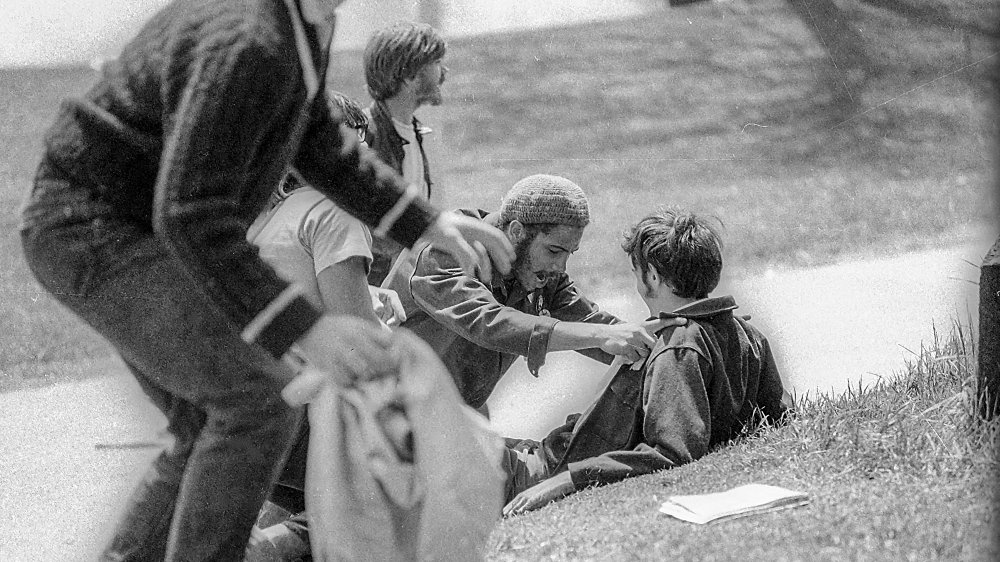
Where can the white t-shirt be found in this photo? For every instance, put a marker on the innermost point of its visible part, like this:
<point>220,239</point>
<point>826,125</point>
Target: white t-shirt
<point>413,163</point>
<point>306,233</point>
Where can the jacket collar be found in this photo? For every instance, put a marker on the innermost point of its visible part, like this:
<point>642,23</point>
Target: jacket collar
<point>704,308</point>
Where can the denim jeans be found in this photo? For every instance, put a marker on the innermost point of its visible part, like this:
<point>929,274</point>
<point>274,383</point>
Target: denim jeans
<point>232,431</point>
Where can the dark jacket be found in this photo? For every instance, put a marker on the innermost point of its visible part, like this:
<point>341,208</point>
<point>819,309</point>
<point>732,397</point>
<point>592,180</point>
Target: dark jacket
<point>382,137</point>
<point>187,133</point>
<point>478,330</point>
<point>702,384</point>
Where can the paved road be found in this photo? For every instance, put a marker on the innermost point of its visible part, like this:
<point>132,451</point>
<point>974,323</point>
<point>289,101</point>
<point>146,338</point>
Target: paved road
<point>73,451</point>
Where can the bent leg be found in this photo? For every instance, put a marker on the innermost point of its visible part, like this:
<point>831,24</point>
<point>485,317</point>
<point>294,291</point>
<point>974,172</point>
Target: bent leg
<point>234,431</point>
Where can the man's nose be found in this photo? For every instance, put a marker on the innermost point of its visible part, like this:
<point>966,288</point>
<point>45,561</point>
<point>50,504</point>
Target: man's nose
<point>444,72</point>
<point>559,266</point>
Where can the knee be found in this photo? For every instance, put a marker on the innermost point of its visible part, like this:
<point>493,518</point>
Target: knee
<point>265,416</point>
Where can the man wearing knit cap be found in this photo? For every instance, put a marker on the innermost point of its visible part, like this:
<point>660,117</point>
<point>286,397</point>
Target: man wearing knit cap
<point>479,327</point>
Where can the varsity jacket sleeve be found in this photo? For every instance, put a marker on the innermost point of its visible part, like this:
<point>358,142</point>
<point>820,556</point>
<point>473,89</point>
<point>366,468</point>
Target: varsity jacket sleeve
<point>207,167</point>
<point>226,105</point>
<point>676,423</point>
<point>467,307</point>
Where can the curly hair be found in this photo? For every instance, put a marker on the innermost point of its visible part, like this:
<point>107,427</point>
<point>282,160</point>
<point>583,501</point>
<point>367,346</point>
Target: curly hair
<point>682,247</point>
<point>397,53</point>
<point>349,111</point>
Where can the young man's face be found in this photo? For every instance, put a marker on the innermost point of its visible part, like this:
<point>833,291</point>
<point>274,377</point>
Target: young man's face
<point>427,83</point>
<point>543,256</point>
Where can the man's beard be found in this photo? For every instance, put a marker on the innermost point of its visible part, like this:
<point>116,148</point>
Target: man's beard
<point>523,266</point>
<point>429,94</point>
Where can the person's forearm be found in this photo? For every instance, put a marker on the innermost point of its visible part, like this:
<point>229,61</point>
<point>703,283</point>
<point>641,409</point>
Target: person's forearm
<point>570,336</point>
<point>344,290</point>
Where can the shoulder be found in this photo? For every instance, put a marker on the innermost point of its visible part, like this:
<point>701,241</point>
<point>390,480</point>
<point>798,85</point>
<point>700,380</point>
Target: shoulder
<point>317,211</point>
<point>690,337</point>
<point>241,23</point>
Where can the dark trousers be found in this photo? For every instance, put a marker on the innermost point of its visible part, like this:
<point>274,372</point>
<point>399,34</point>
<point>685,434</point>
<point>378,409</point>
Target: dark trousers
<point>525,464</point>
<point>199,499</point>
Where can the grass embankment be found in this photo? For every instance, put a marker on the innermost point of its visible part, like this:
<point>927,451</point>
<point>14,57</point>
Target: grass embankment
<point>733,109</point>
<point>902,470</point>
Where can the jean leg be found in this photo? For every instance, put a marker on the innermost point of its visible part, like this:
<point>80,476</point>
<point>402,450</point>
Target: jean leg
<point>143,530</point>
<point>128,287</point>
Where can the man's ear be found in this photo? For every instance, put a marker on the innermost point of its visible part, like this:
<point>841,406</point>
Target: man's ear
<point>653,278</point>
<point>515,230</point>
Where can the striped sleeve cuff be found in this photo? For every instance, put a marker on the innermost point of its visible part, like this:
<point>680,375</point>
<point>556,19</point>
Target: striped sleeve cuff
<point>281,322</point>
<point>408,219</point>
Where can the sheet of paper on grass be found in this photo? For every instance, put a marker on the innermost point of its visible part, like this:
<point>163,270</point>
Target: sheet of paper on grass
<point>738,502</point>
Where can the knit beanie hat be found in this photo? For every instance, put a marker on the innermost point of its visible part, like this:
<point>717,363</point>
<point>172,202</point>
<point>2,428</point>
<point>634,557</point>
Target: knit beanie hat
<point>545,199</point>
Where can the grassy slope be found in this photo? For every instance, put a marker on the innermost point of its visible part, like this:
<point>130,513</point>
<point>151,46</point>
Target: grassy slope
<point>895,472</point>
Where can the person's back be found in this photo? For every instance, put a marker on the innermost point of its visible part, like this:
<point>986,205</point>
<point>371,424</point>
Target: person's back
<point>737,368</point>
<point>703,384</point>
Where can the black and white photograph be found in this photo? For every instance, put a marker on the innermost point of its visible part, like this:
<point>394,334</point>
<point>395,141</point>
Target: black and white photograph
<point>499,280</point>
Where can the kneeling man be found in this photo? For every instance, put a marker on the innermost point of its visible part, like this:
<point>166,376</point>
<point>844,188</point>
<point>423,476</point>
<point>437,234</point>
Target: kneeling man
<point>479,328</point>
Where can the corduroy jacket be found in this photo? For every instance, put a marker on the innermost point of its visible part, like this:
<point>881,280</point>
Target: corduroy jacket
<point>701,385</point>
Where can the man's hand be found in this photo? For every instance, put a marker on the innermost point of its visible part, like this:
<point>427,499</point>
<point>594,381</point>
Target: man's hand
<point>472,243</point>
<point>634,341</point>
<point>540,494</point>
<point>387,306</point>
<point>340,349</point>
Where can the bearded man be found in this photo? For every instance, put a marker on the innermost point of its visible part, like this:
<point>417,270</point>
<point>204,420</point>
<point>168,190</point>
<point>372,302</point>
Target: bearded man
<point>403,72</point>
<point>479,327</point>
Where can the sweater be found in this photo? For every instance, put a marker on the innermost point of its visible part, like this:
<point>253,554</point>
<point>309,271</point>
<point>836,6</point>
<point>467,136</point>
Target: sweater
<point>190,129</point>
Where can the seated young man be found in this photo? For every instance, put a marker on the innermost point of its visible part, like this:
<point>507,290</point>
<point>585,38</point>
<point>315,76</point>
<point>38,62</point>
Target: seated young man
<point>702,384</point>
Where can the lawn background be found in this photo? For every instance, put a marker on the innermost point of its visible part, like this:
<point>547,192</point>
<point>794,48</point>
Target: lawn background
<point>729,108</point>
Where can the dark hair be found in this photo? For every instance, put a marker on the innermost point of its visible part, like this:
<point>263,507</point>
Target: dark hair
<point>397,53</point>
<point>348,110</point>
<point>683,248</point>
<point>343,109</point>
